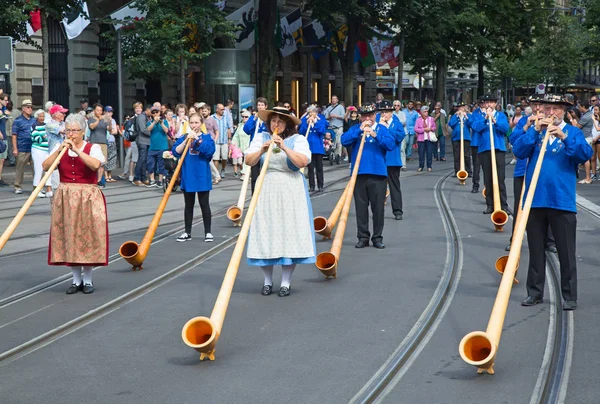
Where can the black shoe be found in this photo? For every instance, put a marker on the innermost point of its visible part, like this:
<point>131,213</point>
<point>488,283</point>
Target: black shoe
<point>474,190</point>
<point>3,184</point>
<point>507,248</point>
<point>311,189</point>
<point>266,290</point>
<point>362,244</point>
<point>552,249</point>
<point>569,305</point>
<point>284,291</point>
<point>531,301</point>
<point>398,217</point>
<point>74,289</point>
<point>488,211</point>
<point>320,190</point>
<point>87,289</point>
<point>379,245</point>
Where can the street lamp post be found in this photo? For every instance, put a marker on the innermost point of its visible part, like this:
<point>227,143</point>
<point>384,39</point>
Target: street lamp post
<point>307,50</point>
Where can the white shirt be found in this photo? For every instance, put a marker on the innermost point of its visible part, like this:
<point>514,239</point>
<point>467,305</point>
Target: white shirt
<point>95,151</point>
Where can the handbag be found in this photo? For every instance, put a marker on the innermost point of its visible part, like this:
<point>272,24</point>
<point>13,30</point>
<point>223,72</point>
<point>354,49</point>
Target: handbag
<point>2,146</point>
<point>432,137</point>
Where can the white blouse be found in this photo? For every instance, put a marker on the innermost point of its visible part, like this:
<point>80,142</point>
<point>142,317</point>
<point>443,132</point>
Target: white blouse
<point>95,151</point>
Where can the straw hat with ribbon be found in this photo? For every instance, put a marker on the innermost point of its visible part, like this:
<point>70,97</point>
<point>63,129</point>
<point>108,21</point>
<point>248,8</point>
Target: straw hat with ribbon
<point>282,112</point>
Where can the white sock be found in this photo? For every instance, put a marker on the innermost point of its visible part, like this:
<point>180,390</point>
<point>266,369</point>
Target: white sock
<point>286,274</point>
<point>76,275</point>
<point>268,271</point>
<point>87,275</point>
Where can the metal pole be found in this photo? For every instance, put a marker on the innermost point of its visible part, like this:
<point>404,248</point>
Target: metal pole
<point>120,97</point>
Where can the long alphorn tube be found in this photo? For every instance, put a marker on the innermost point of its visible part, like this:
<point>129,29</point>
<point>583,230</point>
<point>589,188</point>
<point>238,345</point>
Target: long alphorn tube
<point>324,226</point>
<point>135,253</point>
<point>234,213</point>
<point>500,264</point>
<point>327,262</point>
<point>499,217</point>
<point>479,348</point>
<point>462,174</point>
<point>202,333</point>
<point>15,222</point>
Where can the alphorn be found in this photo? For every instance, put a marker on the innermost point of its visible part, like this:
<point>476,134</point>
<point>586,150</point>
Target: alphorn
<point>327,262</point>
<point>324,226</point>
<point>498,217</point>
<point>462,174</point>
<point>15,222</point>
<point>500,264</point>
<point>479,348</point>
<point>135,253</point>
<point>202,333</point>
<point>234,213</point>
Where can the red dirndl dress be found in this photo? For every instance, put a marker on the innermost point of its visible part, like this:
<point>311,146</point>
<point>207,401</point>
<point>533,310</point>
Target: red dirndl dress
<point>79,227</point>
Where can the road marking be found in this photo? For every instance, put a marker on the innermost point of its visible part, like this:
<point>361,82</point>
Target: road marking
<point>589,206</point>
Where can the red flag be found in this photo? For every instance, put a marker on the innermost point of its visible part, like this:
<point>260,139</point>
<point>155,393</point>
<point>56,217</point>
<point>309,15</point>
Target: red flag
<point>35,22</point>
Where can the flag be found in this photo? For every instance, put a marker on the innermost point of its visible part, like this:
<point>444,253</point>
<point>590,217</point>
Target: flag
<point>244,19</point>
<point>75,20</point>
<point>128,11</point>
<point>35,22</point>
<point>289,25</point>
<point>314,34</point>
<point>383,50</point>
<point>365,54</point>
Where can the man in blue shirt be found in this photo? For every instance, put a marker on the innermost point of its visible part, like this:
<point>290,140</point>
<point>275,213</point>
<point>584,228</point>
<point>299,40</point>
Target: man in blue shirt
<point>475,136</point>
<point>554,201</point>
<point>372,174</point>
<point>223,139</point>
<point>21,140</point>
<point>459,123</point>
<point>411,119</point>
<point>252,129</point>
<point>158,128</point>
<point>499,129</point>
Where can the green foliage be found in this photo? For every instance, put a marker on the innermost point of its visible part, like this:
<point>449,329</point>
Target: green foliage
<point>172,29</point>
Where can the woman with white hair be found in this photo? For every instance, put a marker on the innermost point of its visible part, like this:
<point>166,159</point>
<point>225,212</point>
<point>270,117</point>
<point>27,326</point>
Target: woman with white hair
<point>79,226</point>
<point>39,152</point>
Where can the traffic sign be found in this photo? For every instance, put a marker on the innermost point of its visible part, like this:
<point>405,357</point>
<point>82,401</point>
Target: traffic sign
<point>6,55</point>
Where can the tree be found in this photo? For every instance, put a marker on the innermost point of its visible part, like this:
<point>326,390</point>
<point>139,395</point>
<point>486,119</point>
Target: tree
<point>15,14</point>
<point>359,16</point>
<point>172,34</point>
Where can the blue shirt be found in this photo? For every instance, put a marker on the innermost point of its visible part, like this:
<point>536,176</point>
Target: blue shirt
<point>454,123</point>
<point>158,137</point>
<point>374,150</point>
<point>518,131</point>
<point>195,172</point>
<point>3,119</point>
<point>22,130</point>
<point>250,126</point>
<point>411,119</point>
<point>223,125</point>
<point>393,157</point>
<point>500,129</point>
<point>556,184</point>
<point>316,135</point>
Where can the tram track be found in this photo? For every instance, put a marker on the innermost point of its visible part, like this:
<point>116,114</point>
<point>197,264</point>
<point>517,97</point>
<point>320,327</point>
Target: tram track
<point>388,375</point>
<point>108,307</point>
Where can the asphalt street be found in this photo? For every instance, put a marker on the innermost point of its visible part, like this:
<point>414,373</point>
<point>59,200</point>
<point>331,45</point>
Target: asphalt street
<point>320,345</point>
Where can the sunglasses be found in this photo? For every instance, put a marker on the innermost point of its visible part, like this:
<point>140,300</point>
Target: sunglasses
<point>594,100</point>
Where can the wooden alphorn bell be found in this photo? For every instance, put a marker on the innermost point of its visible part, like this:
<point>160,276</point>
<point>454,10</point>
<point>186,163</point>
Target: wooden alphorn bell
<point>462,174</point>
<point>134,253</point>
<point>15,222</point>
<point>498,217</point>
<point>202,333</point>
<point>500,264</point>
<point>327,262</point>
<point>324,226</point>
<point>479,348</point>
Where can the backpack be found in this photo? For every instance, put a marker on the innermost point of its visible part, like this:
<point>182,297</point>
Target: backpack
<point>131,129</point>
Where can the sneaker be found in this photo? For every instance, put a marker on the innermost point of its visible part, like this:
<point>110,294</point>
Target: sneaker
<point>159,184</point>
<point>2,183</point>
<point>49,194</point>
<point>131,178</point>
<point>184,237</point>
<point>208,238</point>
<point>235,175</point>
<point>138,183</point>
<point>222,173</point>
<point>42,194</point>
<point>152,184</point>
<point>513,161</point>
<point>101,185</point>
<point>18,191</point>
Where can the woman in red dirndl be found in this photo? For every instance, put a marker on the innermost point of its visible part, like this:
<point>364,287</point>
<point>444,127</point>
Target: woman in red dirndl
<point>79,226</point>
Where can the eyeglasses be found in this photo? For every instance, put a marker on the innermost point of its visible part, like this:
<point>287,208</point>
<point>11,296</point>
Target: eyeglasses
<point>73,130</point>
<point>594,100</point>
<point>156,112</point>
<point>396,105</point>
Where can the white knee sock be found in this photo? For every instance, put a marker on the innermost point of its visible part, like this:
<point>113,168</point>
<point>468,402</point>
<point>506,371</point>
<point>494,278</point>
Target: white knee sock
<point>76,275</point>
<point>268,271</point>
<point>286,274</point>
<point>87,275</point>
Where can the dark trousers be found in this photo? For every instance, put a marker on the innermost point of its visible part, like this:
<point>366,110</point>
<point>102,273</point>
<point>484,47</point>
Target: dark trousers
<point>564,227</point>
<point>476,166</point>
<point>254,173</point>
<point>369,189</point>
<point>203,200</point>
<point>316,161</point>
<point>395,191</point>
<point>441,143</point>
<point>486,163</point>
<point>425,150</point>
<point>466,155</point>
<point>140,167</point>
<point>517,187</point>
